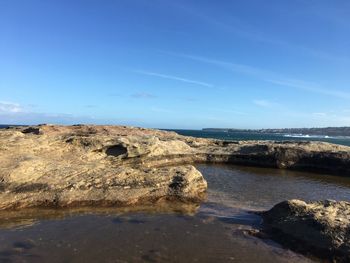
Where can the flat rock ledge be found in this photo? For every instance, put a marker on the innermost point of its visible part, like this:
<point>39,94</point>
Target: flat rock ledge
<point>322,228</point>
<point>87,165</point>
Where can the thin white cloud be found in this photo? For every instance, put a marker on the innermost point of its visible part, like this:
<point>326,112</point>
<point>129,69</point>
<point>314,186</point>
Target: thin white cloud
<point>237,67</point>
<point>10,107</point>
<point>171,77</point>
<point>331,118</point>
<point>268,76</point>
<point>244,30</point>
<point>308,86</point>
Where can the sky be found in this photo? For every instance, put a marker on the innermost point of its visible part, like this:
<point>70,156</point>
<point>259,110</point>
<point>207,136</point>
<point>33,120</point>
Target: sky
<point>187,64</point>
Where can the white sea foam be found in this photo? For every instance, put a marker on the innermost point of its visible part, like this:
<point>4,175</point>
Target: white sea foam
<point>310,136</point>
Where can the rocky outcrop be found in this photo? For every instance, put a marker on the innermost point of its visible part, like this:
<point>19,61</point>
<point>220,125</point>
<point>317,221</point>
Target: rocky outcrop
<point>87,165</point>
<point>320,227</point>
<point>61,166</point>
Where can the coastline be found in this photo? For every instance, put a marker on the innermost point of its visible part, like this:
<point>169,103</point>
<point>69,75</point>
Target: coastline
<point>52,166</point>
<point>82,165</point>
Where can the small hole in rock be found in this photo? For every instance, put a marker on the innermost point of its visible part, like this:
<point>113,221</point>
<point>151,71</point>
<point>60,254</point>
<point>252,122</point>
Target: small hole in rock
<point>32,130</point>
<point>116,150</point>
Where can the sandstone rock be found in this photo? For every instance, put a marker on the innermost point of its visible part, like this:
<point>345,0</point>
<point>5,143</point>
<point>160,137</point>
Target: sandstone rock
<point>321,227</point>
<point>83,165</point>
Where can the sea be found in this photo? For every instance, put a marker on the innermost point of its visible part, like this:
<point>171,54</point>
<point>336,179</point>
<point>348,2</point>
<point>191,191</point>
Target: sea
<point>243,136</point>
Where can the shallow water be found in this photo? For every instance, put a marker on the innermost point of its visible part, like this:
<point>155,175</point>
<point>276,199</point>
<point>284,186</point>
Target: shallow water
<point>261,188</point>
<point>213,231</point>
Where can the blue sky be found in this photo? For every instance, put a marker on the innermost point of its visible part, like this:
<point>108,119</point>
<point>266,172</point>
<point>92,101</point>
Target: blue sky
<point>176,64</point>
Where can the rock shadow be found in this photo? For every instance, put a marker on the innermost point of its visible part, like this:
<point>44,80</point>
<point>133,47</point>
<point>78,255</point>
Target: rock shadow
<point>116,150</point>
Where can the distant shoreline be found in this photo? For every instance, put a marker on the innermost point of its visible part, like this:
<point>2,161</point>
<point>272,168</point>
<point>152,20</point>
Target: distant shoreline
<point>287,132</point>
<point>292,132</point>
<point>3,126</point>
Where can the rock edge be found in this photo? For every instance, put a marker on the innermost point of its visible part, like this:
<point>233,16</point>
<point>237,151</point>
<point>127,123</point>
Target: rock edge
<point>322,228</point>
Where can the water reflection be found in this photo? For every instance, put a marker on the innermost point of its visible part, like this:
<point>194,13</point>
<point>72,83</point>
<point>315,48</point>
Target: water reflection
<point>261,188</point>
<point>29,217</point>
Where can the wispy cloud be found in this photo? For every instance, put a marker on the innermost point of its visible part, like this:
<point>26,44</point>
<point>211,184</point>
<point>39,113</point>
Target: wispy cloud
<point>10,107</point>
<point>268,76</point>
<point>331,118</point>
<point>309,86</point>
<point>143,95</point>
<point>171,77</point>
<point>237,67</point>
<point>244,30</point>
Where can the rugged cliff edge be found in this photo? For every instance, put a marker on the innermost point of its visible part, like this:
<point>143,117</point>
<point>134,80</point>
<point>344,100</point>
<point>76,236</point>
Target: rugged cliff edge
<point>82,165</point>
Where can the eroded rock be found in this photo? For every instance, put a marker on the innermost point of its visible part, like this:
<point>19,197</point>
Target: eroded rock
<point>321,227</point>
<point>83,165</point>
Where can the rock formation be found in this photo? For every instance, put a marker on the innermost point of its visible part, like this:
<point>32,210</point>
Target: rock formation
<point>320,227</point>
<point>85,165</point>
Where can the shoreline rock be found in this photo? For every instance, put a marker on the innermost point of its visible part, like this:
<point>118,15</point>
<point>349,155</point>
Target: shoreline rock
<point>322,228</point>
<point>87,165</point>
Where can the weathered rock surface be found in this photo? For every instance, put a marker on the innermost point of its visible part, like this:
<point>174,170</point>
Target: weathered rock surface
<point>320,227</point>
<point>85,165</point>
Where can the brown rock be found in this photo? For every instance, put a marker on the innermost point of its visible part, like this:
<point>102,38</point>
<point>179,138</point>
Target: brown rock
<point>320,227</point>
<point>85,165</point>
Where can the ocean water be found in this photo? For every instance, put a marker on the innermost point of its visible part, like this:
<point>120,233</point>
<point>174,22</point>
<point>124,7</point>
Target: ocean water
<point>239,136</point>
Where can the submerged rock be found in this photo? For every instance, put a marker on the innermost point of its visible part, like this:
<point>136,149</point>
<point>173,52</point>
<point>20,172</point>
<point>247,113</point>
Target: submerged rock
<point>84,165</point>
<point>321,227</point>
